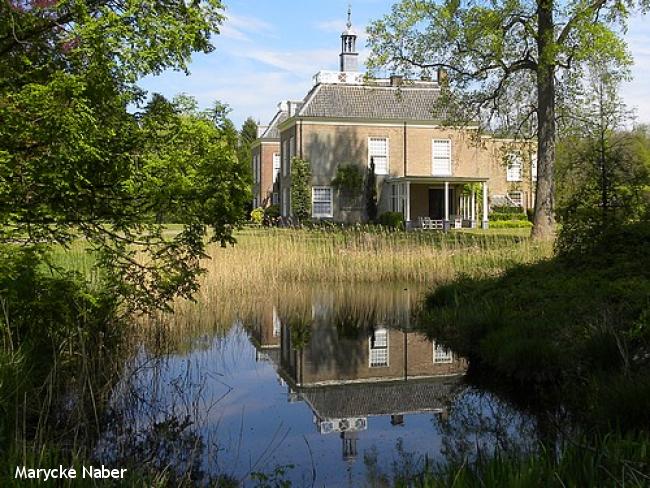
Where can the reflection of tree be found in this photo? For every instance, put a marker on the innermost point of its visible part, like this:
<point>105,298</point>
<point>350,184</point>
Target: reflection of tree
<point>300,328</point>
<point>480,424</point>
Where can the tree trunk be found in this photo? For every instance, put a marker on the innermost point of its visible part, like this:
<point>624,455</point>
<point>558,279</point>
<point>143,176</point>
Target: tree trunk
<point>544,216</point>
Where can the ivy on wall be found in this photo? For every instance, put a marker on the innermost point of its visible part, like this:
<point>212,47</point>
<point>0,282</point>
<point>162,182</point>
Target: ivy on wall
<point>300,189</point>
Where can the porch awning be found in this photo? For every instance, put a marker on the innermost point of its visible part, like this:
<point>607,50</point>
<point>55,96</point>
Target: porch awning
<point>428,180</point>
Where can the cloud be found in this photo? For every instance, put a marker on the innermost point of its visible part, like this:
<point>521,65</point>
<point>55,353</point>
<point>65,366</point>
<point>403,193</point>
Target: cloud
<point>334,25</point>
<point>305,63</point>
<point>240,28</point>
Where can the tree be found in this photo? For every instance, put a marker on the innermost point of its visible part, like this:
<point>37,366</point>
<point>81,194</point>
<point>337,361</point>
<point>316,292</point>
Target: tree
<point>603,169</point>
<point>74,161</point>
<point>247,135</point>
<point>501,61</point>
<point>300,189</point>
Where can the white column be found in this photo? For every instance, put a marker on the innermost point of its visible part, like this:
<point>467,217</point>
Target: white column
<point>408,201</point>
<point>485,205</point>
<point>472,216</point>
<point>446,201</point>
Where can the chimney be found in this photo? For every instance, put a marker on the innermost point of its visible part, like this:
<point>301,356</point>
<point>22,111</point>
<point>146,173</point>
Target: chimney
<point>396,80</point>
<point>261,129</point>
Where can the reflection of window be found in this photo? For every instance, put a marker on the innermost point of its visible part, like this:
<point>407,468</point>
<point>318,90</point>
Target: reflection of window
<point>321,201</point>
<point>514,168</point>
<point>379,348</point>
<point>517,198</point>
<point>441,354</point>
<point>441,157</point>
<point>277,325</point>
<point>378,153</point>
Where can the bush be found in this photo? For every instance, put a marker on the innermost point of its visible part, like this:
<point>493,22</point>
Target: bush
<point>272,212</point>
<point>257,215</point>
<point>497,216</point>
<point>511,224</point>
<point>392,220</point>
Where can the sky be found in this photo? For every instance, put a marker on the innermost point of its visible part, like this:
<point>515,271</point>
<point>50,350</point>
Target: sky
<point>269,50</point>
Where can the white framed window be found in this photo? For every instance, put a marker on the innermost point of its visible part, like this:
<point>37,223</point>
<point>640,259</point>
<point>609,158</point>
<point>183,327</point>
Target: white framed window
<point>513,171</point>
<point>275,198</point>
<point>378,152</point>
<point>533,167</point>
<point>517,198</point>
<point>276,166</point>
<point>321,201</point>
<point>379,348</point>
<point>442,355</point>
<point>441,157</point>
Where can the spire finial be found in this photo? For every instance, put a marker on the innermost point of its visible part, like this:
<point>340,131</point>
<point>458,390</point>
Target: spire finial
<point>349,24</point>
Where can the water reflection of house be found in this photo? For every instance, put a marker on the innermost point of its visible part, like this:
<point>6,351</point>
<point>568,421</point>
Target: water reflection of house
<point>349,365</point>
<point>265,329</point>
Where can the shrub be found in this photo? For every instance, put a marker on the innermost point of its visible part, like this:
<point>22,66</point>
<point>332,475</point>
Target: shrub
<point>392,220</point>
<point>272,212</point>
<point>257,215</point>
<point>496,216</point>
<point>511,224</point>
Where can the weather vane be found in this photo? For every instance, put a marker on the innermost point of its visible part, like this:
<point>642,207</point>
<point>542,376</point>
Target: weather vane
<point>349,15</point>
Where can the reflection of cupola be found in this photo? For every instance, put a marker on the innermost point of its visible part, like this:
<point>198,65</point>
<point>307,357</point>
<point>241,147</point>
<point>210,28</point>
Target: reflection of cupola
<point>349,56</point>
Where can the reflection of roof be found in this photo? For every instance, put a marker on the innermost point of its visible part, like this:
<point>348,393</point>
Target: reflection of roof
<point>272,131</point>
<point>372,102</point>
<point>381,398</point>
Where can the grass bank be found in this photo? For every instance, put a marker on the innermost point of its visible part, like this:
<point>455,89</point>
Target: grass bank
<point>573,330</point>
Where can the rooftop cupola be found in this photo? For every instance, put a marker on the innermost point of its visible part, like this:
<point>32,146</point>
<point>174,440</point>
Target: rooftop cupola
<point>349,55</point>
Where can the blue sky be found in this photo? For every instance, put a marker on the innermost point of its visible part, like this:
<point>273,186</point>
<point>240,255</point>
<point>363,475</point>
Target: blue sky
<point>269,50</point>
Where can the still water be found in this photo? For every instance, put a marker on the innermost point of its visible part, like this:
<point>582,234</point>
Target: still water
<point>319,386</point>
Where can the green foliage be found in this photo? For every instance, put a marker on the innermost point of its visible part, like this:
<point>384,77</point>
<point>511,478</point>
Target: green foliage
<point>77,162</point>
<point>257,215</point>
<point>507,215</point>
<point>52,323</point>
<point>392,220</point>
<point>247,135</point>
<point>349,179</point>
<point>300,189</point>
<point>602,461</point>
<point>577,322</point>
<point>502,58</point>
<point>272,211</point>
<point>511,224</point>
<point>371,193</point>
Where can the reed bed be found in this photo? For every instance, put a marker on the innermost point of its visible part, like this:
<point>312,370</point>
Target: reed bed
<point>265,259</point>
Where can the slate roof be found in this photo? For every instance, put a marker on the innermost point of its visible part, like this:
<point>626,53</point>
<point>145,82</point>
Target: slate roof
<point>381,398</point>
<point>373,102</point>
<point>272,131</point>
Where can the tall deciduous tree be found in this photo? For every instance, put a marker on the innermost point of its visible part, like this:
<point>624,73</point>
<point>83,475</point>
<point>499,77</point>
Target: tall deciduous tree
<point>75,161</point>
<point>504,59</point>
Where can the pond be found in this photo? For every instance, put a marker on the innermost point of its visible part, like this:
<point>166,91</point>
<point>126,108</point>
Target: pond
<point>320,386</point>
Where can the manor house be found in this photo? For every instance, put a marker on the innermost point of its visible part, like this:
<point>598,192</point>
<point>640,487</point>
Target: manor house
<point>437,176</point>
